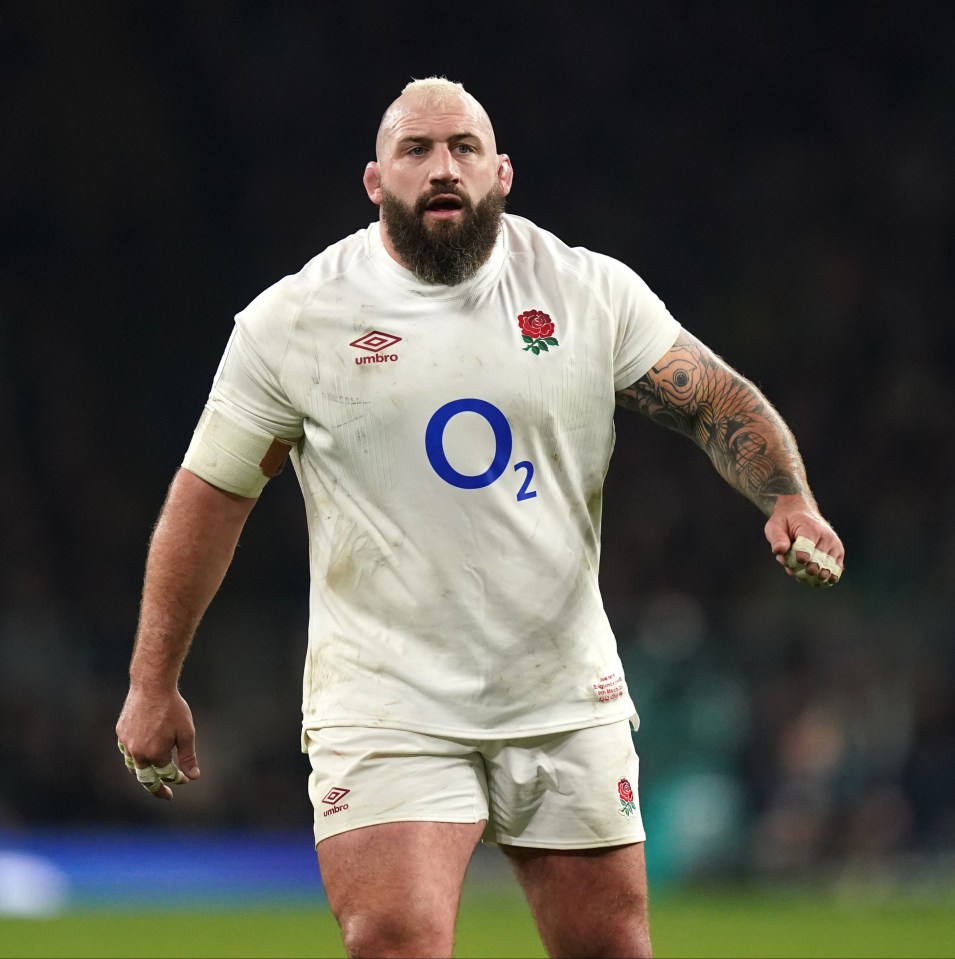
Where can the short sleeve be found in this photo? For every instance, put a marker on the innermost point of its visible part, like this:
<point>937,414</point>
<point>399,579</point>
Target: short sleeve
<point>249,386</point>
<point>646,329</point>
<point>249,422</point>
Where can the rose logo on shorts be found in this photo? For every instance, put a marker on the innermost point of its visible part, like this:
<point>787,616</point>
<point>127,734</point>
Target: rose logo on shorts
<point>537,331</point>
<point>334,794</point>
<point>625,791</point>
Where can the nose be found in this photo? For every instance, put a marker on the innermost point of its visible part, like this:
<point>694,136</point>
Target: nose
<point>444,167</point>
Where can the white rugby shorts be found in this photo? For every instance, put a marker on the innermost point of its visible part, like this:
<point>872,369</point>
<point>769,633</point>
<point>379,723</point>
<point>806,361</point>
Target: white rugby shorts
<point>568,790</point>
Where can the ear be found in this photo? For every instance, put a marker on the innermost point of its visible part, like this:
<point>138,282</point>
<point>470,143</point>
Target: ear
<point>372,181</point>
<point>505,173</point>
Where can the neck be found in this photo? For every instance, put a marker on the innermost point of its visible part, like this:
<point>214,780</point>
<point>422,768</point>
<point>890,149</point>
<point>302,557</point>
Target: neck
<point>388,245</point>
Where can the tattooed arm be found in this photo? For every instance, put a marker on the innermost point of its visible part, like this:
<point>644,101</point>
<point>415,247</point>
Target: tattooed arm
<point>694,392</point>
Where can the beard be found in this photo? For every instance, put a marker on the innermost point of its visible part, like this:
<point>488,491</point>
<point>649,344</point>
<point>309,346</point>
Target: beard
<point>443,252</point>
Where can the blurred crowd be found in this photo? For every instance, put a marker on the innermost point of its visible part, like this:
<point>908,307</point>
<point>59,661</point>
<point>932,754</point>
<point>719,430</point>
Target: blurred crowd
<point>784,183</point>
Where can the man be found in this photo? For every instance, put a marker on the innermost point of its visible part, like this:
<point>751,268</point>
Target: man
<point>445,381</point>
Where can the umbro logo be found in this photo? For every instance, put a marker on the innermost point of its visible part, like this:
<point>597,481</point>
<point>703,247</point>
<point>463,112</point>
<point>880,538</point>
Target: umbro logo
<point>334,794</point>
<point>376,343</point>
<point>333,797</point>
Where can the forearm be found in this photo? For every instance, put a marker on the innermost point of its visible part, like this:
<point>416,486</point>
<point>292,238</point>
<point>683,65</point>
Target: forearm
<point>189,554</point>
<point>694,392</point>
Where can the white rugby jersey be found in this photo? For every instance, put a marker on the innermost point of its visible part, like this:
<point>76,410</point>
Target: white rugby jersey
<point>451,444</point>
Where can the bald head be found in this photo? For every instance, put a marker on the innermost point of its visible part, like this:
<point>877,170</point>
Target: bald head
<point>433,95</point>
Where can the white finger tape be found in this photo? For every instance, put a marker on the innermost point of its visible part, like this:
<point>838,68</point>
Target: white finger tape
<point>801,545</point>
<point>147,774</point>
<point>170,773</point>
<point>822,559</point>
<point>130,762</point>
<point>825,561</point>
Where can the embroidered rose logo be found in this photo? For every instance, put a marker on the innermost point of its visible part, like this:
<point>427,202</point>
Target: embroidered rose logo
<point>625,791</point>
<point>537,331</point>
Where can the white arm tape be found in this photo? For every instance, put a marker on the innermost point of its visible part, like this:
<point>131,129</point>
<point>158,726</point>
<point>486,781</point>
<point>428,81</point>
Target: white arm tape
<point>231,456</point>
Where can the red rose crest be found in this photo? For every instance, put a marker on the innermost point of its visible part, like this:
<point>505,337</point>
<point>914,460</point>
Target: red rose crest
<point>537,331</point>
<point>625,791</point>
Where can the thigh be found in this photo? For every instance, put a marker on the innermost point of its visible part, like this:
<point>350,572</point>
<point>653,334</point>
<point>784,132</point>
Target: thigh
<point>397,817</point>
<point>394,888</point>
<point>587,902</point>
<point>572,790</point>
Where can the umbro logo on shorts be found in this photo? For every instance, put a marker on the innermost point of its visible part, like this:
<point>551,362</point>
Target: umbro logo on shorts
<point>332,798</point>
<point>376,343</point>
<point>334,794</point>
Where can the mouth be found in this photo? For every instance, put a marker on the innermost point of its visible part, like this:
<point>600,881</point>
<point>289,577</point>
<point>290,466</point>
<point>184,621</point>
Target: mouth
<point>444,206</point>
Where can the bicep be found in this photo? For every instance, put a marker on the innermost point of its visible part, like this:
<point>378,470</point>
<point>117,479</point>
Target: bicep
<point>683,383</point>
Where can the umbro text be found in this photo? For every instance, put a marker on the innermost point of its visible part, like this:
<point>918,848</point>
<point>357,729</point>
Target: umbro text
<point>377,358</point>
<point>335,809</point>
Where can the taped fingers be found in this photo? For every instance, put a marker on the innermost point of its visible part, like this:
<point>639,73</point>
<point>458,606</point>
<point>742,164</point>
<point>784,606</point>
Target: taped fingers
<point>171,773</point>
<point>153,778</point>
<point>825,561</point>
<point>801,545</point>
<point>149,780</point>
<point>130,762</point>
<point>821,558</point>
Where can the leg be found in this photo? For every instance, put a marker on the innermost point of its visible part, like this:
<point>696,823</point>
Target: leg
<point>587,902</point>
<point>394,888</point>
<point>564,809</point>
<point>397,817</point>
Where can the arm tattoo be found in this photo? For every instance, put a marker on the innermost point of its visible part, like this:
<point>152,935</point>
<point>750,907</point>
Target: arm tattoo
<point>694,392</point>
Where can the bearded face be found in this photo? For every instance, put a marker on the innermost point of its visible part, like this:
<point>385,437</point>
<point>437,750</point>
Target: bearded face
<point>443,251</point>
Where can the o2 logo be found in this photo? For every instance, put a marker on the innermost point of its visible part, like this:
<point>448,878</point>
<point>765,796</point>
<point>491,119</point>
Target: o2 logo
<point>503,445</point>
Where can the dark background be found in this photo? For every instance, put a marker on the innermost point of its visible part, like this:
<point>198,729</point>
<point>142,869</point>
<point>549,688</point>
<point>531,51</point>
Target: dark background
<point>781,174</point>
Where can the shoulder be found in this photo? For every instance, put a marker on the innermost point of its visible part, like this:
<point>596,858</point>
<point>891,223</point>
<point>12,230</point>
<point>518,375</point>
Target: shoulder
<point>340,259</point>
<point>525,237</point>
<point>597,270</point>
<point>278,305</point>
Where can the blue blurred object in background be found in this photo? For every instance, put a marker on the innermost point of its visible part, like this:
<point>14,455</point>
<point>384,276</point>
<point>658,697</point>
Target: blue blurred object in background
<point>53,870</point>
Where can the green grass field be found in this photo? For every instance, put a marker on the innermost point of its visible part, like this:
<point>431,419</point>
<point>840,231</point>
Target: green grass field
<point>718,923</point>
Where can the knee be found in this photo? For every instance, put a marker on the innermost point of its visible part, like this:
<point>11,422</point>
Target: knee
<point>619,928</point>
<point>403,932</point>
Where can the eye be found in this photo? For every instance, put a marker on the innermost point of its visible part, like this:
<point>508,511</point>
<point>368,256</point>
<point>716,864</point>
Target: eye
<point>465,148</point>
<point>416,151</point>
